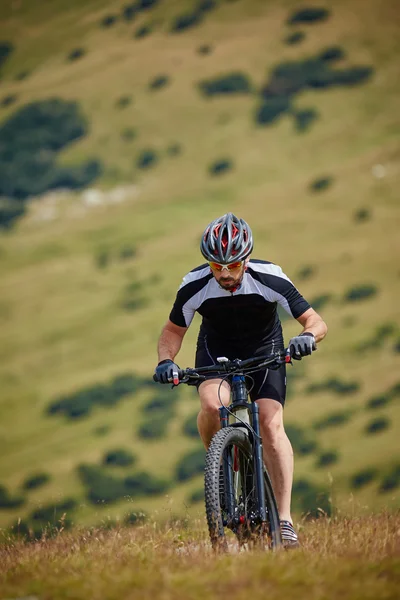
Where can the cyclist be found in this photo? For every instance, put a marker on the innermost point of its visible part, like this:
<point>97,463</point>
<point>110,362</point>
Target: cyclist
<point>237,297</point>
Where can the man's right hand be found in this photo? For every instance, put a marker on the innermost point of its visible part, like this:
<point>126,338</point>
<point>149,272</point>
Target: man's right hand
<point>165,371</point>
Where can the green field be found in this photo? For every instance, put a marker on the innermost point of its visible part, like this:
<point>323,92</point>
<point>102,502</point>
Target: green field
<point>65,289</point>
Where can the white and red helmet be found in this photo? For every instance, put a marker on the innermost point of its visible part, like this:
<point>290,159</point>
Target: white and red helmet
<point>227,240</point>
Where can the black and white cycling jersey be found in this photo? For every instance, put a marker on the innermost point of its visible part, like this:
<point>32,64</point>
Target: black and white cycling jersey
<point>249,314</point>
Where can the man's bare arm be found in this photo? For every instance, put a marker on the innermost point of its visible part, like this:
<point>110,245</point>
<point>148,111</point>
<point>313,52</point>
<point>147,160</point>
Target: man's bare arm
<point>313,323</point>
<point>170,341</point>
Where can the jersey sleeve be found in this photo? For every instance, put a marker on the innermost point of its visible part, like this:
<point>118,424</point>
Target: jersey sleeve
<point>186,301</point>
<point>182,313</point>
<point>288,296</point>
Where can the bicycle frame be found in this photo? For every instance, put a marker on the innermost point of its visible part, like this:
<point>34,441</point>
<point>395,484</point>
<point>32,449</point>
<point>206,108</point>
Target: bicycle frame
<point>239,395</point>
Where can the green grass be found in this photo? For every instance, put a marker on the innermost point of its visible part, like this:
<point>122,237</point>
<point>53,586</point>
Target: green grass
<point>343,558</point>
<point>61,322</point>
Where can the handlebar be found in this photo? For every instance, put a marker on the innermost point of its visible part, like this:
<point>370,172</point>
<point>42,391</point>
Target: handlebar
<point>230,367</point>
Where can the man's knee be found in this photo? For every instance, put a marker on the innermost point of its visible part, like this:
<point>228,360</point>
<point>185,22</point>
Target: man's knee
<point>271,421</point>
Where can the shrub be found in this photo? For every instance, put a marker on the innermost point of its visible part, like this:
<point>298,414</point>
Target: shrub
<point>146,4</point>
<point>144,484</point>
<point>378,401</point>
<point>135,518</point>
<point>123,101</point>
<point>360,292</point>
<point>206,5</point>
<point>108,21</point>
<point>142,31</point>
<point>391,480</point>
<point>129,11</point>
<point>353,75</point>
<point>51,513</point>
<point>10,211</point>
<point>220,166</point>
<point>377,425</point>
<point>334,385</point>
<point>204,49</point>
<point>186,21</point>
<point>303,443</point>
<point>362,215</point>
<point>295,38</point>
<point>363,477</point>
<point>119,458</point>
<point>306,272</point>
<point>333,53</point>
<point>133,298</point>
<point>153,429</point>
<point>174,149</point>
<point>378,338</point>
<point>102,430</point>
<point>320,301</point>
<point>395,390</point>
<point>308,15</point>
<point>29,141</point>
<point>102,258</point>
<point>127,252</point>
<point>271,109</point>
<point>321,184</point>
<point>304,118</point>
<point>76,54</point>
<point>128,134</point>
<point>8,100</point>
<point>327,458</point>
<point>101,487</point>
<point>6,48</point>
<point>190,427</point>
<point>146,159</point>
<point>190,465</point>
<point>332,420</point>
<point>396,346</point>
<point>7,501</point>
<point>311,500</point>
<point>197,496</point>
<point>159,82</point>
<point>231,83</point>
<point>22,75</point>
<point>35,481</point>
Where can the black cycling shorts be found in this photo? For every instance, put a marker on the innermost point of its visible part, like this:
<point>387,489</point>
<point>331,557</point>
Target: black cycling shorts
<point>266,383</point>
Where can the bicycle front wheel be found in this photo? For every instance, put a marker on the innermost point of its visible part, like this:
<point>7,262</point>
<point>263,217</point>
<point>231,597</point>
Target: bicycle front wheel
<point>231,494</point>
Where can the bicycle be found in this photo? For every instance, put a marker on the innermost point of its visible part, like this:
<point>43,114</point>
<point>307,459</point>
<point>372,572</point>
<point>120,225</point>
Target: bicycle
<point>238,490</point>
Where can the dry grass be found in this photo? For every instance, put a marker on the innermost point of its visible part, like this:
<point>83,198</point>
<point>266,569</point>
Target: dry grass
<point>346,558</point>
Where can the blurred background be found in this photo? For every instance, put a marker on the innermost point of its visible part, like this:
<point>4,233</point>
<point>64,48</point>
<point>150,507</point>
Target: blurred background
<point>125,128</point>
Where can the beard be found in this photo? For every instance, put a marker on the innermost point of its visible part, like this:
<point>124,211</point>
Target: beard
<point>230,283</point>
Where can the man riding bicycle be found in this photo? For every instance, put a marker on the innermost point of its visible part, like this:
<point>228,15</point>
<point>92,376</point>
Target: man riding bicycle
<point>237,297</point>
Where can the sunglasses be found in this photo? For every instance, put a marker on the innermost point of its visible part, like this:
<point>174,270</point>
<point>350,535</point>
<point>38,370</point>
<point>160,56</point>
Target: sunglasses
<point>217,267</point>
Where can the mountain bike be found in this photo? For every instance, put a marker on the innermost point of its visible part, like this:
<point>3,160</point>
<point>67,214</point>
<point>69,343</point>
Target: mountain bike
<point>238,492</point>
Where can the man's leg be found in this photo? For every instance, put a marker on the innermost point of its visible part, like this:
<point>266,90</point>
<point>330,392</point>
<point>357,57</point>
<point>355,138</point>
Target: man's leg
<point>208,418</point>
<point>278,454</point>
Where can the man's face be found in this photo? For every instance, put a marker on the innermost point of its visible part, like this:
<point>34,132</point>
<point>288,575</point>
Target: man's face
<point>229,280</point>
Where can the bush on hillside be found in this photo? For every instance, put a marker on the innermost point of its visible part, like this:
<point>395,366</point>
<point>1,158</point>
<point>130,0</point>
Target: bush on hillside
<point>377,425</point>
<point>319,302</point>
<point>306,272</point>
<point>128,134</point>
<point>396,346</point>
<point>378,339</point>
<point>22,75</point>
<point>334,419</point>
<point>302,441</point>
<point>102,430</point>
<point>6,48</point>
<point>308,15</point>
<point>80,403</point>
<point>146,4</point>
<point>10,212</point>
<point>190,465</point>
<point>326,459</point>
<point>378,401</point>
<point>143,31</point>
<point>53,512</point>
<point>108,21</point>
<point>35,481</point>
<point>196,496</point>
<point>154,428</point>
<point>363,477</point>
<point>123,102</point>
<point>231,83</point>
<point>190,427</point>
<point>391,480</point>
<point>295,38</point>
<point>206,5</point>
<point>186,21</point>
<point>8,501</point>
<point>205,49</point>
<point>8,100</point>
<point>332,53</point>
<point>157,83</point>
<point>127,252</point>
<point>144,484</point>
<point>221,166</point>
<point>361,215</point>
<point>360,292</point>
<point>147,158</point>
<point>271,109</point>
<point>76,54</point>
<point>101,487</point>
<point>310,500</point>
<point>133,298</point>
<point>304,118</point>
<point>334,385</point>
<point>321,184</point>
<point>119,457</point>
<point>395,390</point>
<point>136,517</point>
<point>129,11</point>
<point>29,142</point>
<point>174,149</point>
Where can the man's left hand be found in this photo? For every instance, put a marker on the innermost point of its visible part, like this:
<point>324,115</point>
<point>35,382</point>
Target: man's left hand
<point>302,345</point>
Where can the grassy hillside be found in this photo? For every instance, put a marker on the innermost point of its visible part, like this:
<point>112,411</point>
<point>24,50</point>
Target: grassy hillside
<point>349,559</point>
<point>87,281</point>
